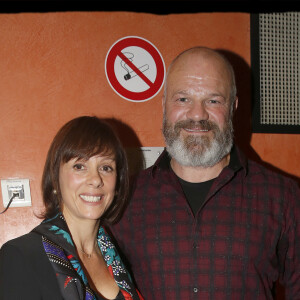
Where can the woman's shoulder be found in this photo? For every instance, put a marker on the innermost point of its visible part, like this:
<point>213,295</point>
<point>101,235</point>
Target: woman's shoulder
<point>28,247</point>
<point>24,263</point>
<point>26,242</point>
<point>26,250</point>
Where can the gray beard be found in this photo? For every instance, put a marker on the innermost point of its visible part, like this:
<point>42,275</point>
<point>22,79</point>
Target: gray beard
<point>198,151</point>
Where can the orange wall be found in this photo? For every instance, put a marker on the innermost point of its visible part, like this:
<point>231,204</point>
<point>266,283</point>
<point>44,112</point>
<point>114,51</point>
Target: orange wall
<point>52,70</point>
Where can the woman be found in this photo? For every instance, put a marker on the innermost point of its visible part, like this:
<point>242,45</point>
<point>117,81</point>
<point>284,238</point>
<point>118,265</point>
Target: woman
<point>70,255</point>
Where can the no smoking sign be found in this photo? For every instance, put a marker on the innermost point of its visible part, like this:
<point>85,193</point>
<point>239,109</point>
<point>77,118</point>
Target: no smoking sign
<point>135,69</point>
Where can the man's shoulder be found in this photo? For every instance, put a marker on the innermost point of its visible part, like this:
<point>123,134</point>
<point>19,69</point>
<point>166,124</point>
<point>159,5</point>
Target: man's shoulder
<point>161,164</point>
<point>144,173</point>
<point>269,174</point>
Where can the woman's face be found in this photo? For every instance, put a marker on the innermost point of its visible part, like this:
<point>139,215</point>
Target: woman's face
<point>87,186</point>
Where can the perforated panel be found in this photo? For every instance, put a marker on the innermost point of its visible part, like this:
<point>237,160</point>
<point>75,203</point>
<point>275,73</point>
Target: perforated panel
<point>279,97</point>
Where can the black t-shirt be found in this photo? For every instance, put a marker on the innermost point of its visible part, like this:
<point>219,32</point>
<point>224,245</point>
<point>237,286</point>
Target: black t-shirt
<point>196,192</point>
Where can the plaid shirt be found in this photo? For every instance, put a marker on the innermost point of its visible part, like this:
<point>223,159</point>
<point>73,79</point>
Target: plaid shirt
<point>244,238</point>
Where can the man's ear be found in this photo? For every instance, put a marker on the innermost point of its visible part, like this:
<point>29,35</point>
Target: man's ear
<point>163,102</point>
<point>236,104</point>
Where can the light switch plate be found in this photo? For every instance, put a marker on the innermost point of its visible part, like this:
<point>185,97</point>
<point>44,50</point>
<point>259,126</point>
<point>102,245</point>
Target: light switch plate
<point>151,154</point>
<point>19,186</point>
<point>140,158</point>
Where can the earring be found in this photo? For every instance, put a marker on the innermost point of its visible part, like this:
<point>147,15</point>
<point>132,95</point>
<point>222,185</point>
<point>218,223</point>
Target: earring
<point>54,192</point>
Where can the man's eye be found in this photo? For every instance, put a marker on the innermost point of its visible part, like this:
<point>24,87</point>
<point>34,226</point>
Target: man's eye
<point>213,101</point>
<point>182,99</point>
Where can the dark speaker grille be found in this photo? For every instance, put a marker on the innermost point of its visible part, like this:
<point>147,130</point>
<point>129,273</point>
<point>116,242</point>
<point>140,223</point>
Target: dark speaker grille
<point>279,68</point>
<point>275,72</point>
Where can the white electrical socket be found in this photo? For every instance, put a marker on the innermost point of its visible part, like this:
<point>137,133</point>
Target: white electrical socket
<point>20,187</point>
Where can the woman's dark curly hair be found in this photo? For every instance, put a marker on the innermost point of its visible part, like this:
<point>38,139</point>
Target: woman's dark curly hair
<point>82,138</point>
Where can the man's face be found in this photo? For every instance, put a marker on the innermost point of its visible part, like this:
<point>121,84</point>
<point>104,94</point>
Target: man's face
<point>197,111</point>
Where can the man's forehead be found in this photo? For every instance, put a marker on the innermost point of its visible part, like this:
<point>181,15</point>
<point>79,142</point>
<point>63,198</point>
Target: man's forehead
<point>185,79</point>
<point>199,59</point>
<point>199,73</point>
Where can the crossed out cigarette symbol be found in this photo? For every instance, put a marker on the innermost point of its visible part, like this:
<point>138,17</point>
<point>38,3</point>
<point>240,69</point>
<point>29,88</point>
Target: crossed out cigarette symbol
<point>132,74</point>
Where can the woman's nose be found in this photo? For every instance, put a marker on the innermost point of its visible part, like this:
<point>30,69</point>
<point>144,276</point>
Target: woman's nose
<point>95,179</point>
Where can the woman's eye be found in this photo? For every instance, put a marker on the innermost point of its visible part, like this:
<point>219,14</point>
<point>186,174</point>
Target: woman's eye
<point>107,169</point>
<point>78,166</point>
<point>182,99</point>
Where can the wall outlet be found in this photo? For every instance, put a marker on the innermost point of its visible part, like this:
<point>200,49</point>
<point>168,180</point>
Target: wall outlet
<point>19,187</point>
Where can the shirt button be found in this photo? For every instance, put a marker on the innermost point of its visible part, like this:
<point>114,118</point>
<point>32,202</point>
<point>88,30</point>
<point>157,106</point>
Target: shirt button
<point>195,290</point>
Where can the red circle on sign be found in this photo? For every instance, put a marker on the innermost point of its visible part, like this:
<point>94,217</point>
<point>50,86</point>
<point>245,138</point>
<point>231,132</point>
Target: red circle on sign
<point>116,50</point>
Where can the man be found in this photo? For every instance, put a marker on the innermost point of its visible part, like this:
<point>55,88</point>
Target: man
<point>204,222</point>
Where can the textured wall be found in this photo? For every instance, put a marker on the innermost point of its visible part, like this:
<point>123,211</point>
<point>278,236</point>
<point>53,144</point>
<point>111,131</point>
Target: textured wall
<point>52,69</point>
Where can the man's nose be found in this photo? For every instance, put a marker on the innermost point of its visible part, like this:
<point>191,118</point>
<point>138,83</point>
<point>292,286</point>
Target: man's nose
<point>198,112</point>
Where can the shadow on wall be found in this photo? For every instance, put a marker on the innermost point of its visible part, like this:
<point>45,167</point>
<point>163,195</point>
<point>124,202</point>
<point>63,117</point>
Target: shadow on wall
<point>242,120</point>
<point>130,142</point>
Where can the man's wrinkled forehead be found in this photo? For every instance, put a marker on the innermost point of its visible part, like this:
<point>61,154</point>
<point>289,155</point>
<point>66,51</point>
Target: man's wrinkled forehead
<point>199,67</point>
<point>193,75</point>
<point>199,78</point>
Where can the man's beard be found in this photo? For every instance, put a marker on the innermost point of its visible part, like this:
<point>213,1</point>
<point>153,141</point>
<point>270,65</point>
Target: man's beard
<point>198,150</point>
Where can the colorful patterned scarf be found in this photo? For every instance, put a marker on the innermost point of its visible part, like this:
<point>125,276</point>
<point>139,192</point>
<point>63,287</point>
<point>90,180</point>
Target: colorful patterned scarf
<point>62,255</point>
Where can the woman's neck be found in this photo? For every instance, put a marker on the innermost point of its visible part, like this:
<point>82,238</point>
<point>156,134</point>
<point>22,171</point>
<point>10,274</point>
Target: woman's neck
<point>84,233</point>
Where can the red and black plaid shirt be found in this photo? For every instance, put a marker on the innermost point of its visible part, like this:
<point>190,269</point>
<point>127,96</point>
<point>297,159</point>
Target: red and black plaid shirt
<point>244,238</point>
